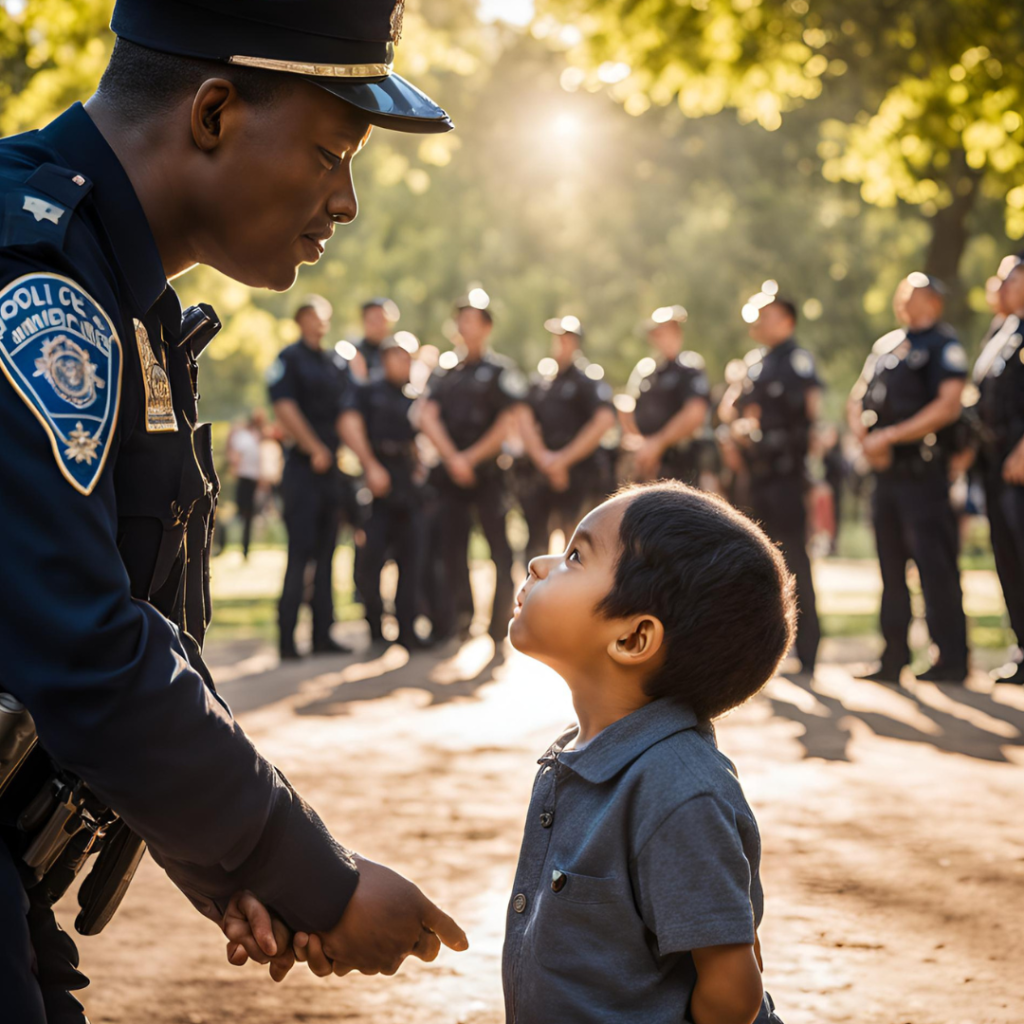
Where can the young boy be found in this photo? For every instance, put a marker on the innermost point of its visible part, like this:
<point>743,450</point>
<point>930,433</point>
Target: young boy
<point>637,897</point>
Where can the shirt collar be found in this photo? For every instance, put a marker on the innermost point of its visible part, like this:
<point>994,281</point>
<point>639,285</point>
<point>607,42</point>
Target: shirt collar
<point>624,741</point>
<point>783,347</point>
<point>80,143</point>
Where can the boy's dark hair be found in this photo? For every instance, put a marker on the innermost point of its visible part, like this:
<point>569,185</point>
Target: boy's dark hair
<point>719,586</point>
<point>142,83</point>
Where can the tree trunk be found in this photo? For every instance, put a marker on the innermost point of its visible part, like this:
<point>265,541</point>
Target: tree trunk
<point>950,234</point>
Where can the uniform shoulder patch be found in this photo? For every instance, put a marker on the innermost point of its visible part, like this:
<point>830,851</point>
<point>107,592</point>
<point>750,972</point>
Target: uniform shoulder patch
<point>60,352</point>
<point>954,357</point>
<point>802,362</point>
<point>513,383</point>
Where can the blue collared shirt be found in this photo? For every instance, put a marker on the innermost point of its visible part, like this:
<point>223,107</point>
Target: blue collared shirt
<point>638,848</point>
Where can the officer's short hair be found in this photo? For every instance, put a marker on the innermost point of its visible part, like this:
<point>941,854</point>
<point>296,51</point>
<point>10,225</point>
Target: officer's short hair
<point>719,586</point>
<point>485,314</point>
<point>318,304</point>
<point>142,83</point>
<point>786,305</point>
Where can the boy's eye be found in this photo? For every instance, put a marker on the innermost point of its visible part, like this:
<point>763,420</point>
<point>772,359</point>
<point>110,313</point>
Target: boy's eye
<point>331,160</point>
<point>574,556</point>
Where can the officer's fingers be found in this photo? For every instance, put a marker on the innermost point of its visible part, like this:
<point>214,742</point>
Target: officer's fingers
<point>428,947</point>
<point>340,969</point>
<point>316,958</point>
<point>281,964</point>
<point>259,921</point>
<point>300,946</point>
<point>444,927</point>
<point>393,967</point>
<point>237,954</point>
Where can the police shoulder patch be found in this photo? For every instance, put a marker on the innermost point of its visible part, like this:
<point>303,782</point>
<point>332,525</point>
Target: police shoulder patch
<point>802,362</point>
<point>954,357</point>
<point>60,352</point>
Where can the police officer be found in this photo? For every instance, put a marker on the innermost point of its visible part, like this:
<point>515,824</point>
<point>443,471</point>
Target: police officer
<point>567,412</point>
<point>467,416</point>
<point>376,426</point>
<point>308,385</point>
<point>771,412</point>
<point>215,137</point>
<point>999,376</point>
<point>671,403</point>
<point>908,393</point>
<point>379,318</point>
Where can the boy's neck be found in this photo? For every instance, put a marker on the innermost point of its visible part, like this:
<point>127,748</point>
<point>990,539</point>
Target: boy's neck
<point>600,702</point>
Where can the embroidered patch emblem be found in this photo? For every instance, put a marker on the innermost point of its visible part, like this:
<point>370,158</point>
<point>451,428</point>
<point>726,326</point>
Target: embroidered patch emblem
<point>60,352</point>
<point>160,418</point>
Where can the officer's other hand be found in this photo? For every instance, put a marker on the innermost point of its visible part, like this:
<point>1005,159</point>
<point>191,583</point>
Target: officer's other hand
<point>877,447</point>
<point>1013,466</point>
<point>647,460</point>
<point>322,459</point>
<point>378,479</point>
<point>254,933</point>
<point>460,470</point>
<point>558,477</point>
<point>387,919</point>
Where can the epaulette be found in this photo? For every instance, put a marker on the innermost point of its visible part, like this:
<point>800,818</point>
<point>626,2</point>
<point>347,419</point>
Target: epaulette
<point>41,209</point>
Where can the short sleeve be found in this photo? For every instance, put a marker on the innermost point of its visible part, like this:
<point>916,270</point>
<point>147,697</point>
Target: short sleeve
<point>282,379</point>
<point>512,387</point>
<point>354,398</point>
<point>437,384</point>
<point>805,369</point>
<point>697,877</point>
<point>949,362</point>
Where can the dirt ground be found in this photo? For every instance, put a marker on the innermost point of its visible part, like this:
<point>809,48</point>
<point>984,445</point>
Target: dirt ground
<point>892,822</point>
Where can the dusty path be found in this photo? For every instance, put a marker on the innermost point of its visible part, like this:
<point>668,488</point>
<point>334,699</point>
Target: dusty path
<point>892,825</point>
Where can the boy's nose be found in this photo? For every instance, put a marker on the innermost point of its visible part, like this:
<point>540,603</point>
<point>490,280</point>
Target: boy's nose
<point>540,565</point>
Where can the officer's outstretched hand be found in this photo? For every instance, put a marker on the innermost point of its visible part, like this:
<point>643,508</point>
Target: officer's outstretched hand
<point>254,933</point>
<point>387,919</point>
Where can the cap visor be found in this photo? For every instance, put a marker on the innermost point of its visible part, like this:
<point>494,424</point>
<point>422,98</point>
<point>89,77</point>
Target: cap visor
<point>390,102</point>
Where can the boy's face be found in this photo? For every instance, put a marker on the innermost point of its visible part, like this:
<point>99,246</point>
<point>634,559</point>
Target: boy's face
<point>554,619</point>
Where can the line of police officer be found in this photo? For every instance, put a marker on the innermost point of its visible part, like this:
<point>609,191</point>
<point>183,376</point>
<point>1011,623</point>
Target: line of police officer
<point>906,408</point>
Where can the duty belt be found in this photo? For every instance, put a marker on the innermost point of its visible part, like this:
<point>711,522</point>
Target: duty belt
<point>65,824</point>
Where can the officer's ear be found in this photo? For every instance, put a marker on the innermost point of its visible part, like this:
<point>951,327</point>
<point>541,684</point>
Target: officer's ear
<point>211,100</point>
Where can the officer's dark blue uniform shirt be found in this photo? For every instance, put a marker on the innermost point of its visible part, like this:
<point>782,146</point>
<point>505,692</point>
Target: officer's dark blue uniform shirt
<point>384,408</point>
<point>662,389</point>
<point>999,375</point>
<point>472,395</point>
<point>777,381</point>
<point>105,482</point>
<point>564,404</point>
<point>318,380</point>
<point>370,351</point>
<point>903,374</point>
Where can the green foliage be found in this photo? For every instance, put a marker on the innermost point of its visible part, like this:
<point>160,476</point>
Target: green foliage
<point>919,83</point>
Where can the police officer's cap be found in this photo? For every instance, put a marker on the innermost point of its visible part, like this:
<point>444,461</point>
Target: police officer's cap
<point>390,307</point>
<point>346,48</point>
<point>564,325</point>
<point>665,315</point>
<point>404,340</point>
<point>920,280</point>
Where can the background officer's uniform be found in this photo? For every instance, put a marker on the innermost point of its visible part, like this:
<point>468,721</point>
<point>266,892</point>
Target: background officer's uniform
<point>106,498</point>
<point>777,381</point>
<point>660,392</point>
<point>999,374</point>
<point>471,396</point>
<point>912,514</point>
<point>562,406</point>
<point>396,525</point>
<point>319,382</point>
<point>370,351</point>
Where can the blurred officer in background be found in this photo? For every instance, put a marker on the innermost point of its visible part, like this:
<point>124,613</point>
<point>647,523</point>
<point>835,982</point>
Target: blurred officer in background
<point>908,393</point>
<point>309,384</point>
<point>376,426</point>
<point>220,134</point>
<point>671,396</point>
<point>999,376</point>
<point>567,411</point>
<point>379,318</point>
<point>467,416</point>
<point>771,413</point>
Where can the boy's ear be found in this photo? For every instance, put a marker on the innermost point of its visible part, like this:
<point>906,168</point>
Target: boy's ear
<point>640,641</point>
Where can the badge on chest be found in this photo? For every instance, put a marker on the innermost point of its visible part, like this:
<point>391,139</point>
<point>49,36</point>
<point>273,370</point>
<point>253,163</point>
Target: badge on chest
<point>160,418</point>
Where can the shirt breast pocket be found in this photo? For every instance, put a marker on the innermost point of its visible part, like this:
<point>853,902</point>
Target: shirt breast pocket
<point>584,926</point>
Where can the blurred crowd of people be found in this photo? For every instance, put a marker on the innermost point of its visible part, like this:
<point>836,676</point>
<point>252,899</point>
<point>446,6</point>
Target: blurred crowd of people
<point>443,440</point>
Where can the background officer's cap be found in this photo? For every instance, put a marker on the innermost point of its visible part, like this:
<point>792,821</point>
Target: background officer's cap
<point>404,340</point>
<point>665,315</point>
<point>346,48</point>
<point>564,325</point>
<point>920,280</point>
<point>390,307</point>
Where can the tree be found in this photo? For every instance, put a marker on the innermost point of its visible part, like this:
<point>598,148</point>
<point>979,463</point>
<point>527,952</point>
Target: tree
<point>919,100</point>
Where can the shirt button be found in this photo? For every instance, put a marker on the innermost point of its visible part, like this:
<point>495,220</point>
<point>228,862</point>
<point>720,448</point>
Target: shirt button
<point>546,819</point>
<point>558,880</point>
<point>519,903</point>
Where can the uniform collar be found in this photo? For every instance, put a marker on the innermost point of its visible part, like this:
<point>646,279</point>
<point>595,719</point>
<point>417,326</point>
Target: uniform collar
<point>80,143</point>
<point>783,347</point>
<point>625,740</point>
